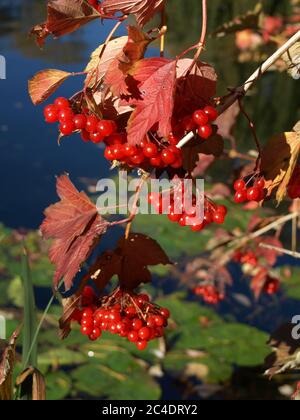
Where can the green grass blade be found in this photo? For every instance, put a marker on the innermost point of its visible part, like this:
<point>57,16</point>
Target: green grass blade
<point>29,356</point>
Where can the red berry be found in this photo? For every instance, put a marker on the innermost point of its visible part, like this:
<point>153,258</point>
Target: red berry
<point>133,336</point>
<point>168,156</point>
<point>87,322</point>
<point>145,333</point>
<point>106,127</point>
<point>240,196</point>
<point>197,227</point>
<point>253,194</point>
<point>91,124</point>
<point>118,138</point>
<point>173,140</point>
<point>156,162</point>
<point>96,137</point>
<point>67,128</point>
<point>137,324</point>
<point>178,163</point>
<point>142,345</point>
<point>130,311</point>
<point>62,103</point>
<point>165,312</point>
<point>205,131</point>
<point>138,158</point>
<point>117,152</point>
<point>272,286</point>
<point>129,150</point>
<point>85,136</point>
<point>51,114</point>
<point>208,218</point>
<point>159,320</point>
<point>151,322</point>
<point>150,150</point>
<point>222,209</point>
<point>86,330</point>
<point>260,183</point>
<point>239,185</point>
<point>87,313</point>
<point>65,115</point>
<point>173,217</point>
<point>80,121</point>
<point>211,112</point>
<point>200,118</point>
<point>188,124</point>
<point>108,153</point>
<point>219,218</point>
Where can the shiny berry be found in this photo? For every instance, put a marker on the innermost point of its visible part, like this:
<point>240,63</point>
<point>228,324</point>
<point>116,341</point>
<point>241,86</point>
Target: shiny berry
<point>253,194</point>
<point>144,333</point>
<point>150,150</point>
<point>137,324</point>
<point>91,124</point>
<point>240,196</point>
<point>62,103</point>
<point>67,128</point>
<point>211,112</point>
<point>239,185</point>
<point>142,345</point>
<point>96,137</point>
<point>219,218</point>
<point>205,131</point>
<point>168,156</point>
<point>65,115</point>
<point>80,121</point>
<point>106,127</point>
<point>133,336</point>
<point>85,136</point>
<point>200,118</point>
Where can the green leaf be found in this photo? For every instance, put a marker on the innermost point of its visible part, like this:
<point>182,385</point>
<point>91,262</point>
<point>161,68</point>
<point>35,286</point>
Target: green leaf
<point>58,385</point>
<point>61,357</point>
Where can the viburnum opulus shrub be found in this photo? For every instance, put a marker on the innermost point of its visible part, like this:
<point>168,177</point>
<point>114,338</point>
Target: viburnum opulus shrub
<point>160,116</point>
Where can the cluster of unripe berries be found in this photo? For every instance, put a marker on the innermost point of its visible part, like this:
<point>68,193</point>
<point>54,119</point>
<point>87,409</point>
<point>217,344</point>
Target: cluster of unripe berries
<point>128,315</point>
<point>92,128</point>
<point>293,189</point>
<point>209,293</point>
<point>177,213</point>
<point>244,193</point>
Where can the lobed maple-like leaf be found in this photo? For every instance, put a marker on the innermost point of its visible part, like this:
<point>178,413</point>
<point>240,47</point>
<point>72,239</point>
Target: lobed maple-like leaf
<point>156,79</point>
<point>75,226</point>
<point>278,161</point>
<point>130,261</point>
<point>143,10</point>
<point>63,17</point>
<point>133,51</point>
<point>45,83</point>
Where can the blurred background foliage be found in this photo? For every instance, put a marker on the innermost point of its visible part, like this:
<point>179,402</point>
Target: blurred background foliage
<point>209,352</point>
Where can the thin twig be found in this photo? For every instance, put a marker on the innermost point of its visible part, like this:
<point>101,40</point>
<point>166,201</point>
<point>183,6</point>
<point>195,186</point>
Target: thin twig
<point>251,126</point>
<point>281,250</point>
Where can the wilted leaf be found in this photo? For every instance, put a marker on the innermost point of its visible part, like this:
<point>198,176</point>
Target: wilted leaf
<point>292,61</point>
<point>143,10</point>
<point>157,98</point>
<point>132,52</point>
<point>64,16</point>
<point>227,121</point>
<point>69,306</point>
<point>32,384</point>
<point>278,162</point>
<point>251,20</point>
<point>7,363</point>
<point>130,261</point>
<point>75,226</point>
<point>45,83</point>
<point>286,351</point>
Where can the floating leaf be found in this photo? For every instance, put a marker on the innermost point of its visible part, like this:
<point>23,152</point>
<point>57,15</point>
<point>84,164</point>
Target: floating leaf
<point>45,83</point>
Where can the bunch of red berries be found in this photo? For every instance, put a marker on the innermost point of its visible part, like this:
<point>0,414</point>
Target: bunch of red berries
<point>147,154</point>
<point>244,192</point>
<point>247,257</point>
<point>177,213</point>
<point>209,293</point>
<point>203,119</point>
<point>294,184</point>
<point>126,314</point>
<point>92,128</point>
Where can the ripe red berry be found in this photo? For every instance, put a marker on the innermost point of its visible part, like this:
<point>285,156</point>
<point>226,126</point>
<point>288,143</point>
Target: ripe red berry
<point>129,150</point>
<point>150,150</point>
<point>65,115</point>
<point>239,185</point>
<point>51,116</point>
<point>87,322</point>
<point>62,103</point>
<point>106,127</point>
<point>197,227</point>
<point>200,118</point>
<point>118,152</point>
<point>87,313</point>
<point>159,320</point>
<point>133,336</point>
<point>130,311</point>
<point>156,162</point>
<point>85,136</point>
<point>219,218</point>
<point>222,209</point>
<point>173,217</point>
<point>137,324</point>
<point>96,137</point>
<point>205,131</point>
<point>138,158</point>
<point>144,333</point>
<point>240,196</point>
<point>165,312</point>
<point>211,112</point>
<point>142,345</point>
<point>253,194</point>
<point>108,154</point>
<point>86,330</point>
<point>168,156</point>
<point>173,140</point>
<point>80,121</point>
<point>117,138</point>
<point>260,183</point>
<point>91,124</point>
<point>67,128</point>
<point>188,123</point>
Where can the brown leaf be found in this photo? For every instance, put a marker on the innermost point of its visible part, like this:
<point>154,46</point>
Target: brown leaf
<point>227,121</point>
<point>102,58</point>
<point>32,382</point>
<point>45,83</point>
<point>64,17</point>
<point>7,364</point>
<point>197,147</point>
<point>119,68</point>
<point>130,261</point>
<point>143,10</point>
<point>75,226</point>
<point>69,305</point>
<point>278,162</point>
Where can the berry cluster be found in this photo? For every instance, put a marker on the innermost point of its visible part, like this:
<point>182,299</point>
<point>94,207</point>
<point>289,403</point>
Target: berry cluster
<point>271,286</point>
<point>126,314</point>
<point>209,293</point>
<point>177,213</point>
<point>244,192</point>
<point>92,129</point>
<point>203,119</point>
<point>294,184</point>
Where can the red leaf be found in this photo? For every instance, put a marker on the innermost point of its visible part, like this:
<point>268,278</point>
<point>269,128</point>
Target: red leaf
<point>258,282</point>
<point>45,83</point>
<point>133,51</point>
<point>75,226</point>
<point>143,10</point>
<point>157,79</point>
<point>64,16</point>
<point>195,86</point>
<point>130,261</point>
